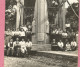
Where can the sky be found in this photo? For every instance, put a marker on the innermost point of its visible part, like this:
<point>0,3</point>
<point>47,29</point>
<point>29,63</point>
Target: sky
<point>71,1</point>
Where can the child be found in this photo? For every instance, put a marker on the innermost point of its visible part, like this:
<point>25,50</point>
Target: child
<point>68,46</point>
<point>10,48</point>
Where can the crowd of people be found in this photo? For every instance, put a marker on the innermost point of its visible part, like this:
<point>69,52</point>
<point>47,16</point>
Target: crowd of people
<point>18,48</point>
<point>64,46</point>
<point>18,42</point>
<point>64,40</point>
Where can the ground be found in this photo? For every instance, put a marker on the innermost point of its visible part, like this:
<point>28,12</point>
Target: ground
<point>40,61</point>
<point>22,62</point>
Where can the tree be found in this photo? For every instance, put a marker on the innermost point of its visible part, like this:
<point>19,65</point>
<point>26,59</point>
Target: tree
<point>9,2</point>
<point>10,14</point>
<point>72,16</point>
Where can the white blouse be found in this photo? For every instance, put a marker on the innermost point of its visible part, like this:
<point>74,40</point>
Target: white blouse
<point>22,33</point>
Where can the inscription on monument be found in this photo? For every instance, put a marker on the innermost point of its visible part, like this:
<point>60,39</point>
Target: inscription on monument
<point>40,36</point>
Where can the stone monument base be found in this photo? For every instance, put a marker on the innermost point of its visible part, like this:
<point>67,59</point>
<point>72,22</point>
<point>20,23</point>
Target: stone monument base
<point>40,39</point>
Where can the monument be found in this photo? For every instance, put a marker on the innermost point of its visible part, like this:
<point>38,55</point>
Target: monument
<point>40,23</point>
<point>40,36</point>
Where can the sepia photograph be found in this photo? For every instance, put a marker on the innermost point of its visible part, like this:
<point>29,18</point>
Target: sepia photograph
<point>41,33</point>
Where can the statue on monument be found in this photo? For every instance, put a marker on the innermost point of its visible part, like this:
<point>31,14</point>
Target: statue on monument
<point>33,26</point>
<point>47,27</point>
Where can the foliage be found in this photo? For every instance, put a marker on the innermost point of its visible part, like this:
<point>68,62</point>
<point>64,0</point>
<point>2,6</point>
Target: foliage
<point>10,11</point>
<point>71,17</point>
<point>70,14</point>
<point>9,2</point>
<point>10,14</point>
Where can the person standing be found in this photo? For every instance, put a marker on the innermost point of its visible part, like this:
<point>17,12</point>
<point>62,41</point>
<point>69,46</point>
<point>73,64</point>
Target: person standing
<point>73,35</point>
<point>73,26</point>
<point>22,34</point>
<point>69,35</point>
<point>67,26</point>
<point>29,46</point>
<point>64,36</point>
<point>33,26</point>
<point>17,34</point>
<point>17,47</point>
<point>24,28</point>
<point>13,34</point>
<point>8,36</point>
<point>10,49</point>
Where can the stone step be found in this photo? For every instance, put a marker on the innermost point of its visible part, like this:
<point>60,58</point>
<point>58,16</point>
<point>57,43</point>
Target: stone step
<point>41,47</point>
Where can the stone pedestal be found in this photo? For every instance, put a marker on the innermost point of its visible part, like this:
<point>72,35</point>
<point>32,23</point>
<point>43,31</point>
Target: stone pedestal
<point>40,36</point>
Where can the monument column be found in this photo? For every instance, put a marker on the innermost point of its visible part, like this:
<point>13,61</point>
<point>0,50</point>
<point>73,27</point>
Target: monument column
<point>22,11</point>
<point>19,15</point>
<point>41,21</point>
<point>61,16</point>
